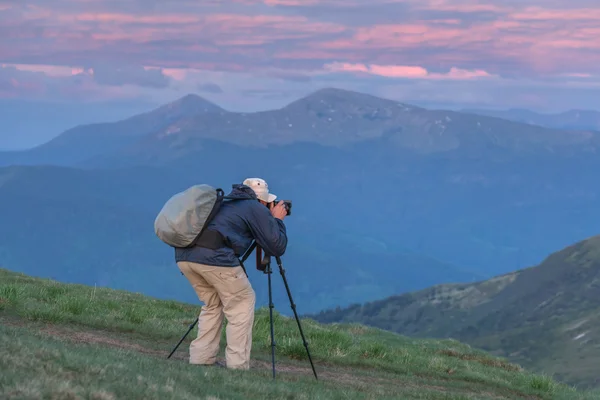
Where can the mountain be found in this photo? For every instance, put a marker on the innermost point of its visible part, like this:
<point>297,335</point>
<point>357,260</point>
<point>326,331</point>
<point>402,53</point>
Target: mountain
<point>328,117</point>
<point>87,141</point>
<point>341,119</point>
<point>388,197</point>
<point>96,227</point>
<point>571,119</point>
<point>545,317</point>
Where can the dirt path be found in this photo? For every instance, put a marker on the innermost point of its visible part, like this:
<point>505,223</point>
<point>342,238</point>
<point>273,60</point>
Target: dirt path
<point>111,339</point>
<point>340,375</point>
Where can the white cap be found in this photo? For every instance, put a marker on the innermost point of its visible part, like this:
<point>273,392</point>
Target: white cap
<point>261,188</point>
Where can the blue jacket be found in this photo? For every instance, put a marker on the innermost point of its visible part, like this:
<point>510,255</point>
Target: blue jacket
<point>240,221</point>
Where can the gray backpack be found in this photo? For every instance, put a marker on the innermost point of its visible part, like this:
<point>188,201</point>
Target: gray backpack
<point>184,216</point>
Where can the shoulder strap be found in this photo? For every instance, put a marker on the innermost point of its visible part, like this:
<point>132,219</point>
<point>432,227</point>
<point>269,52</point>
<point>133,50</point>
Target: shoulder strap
<point>213,212</point>
<point>220,198</point>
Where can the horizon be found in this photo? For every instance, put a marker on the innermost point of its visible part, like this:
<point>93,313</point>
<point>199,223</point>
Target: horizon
<point>153,107</point>
<point>92,61</point>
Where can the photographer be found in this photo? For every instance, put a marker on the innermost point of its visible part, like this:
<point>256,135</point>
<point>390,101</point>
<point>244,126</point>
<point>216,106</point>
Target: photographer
<point>214,271</point>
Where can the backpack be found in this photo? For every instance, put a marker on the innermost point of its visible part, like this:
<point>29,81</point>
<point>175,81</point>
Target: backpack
<point>185,215</point>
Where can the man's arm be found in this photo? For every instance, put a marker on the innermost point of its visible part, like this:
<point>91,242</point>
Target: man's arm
<point>268,231</point>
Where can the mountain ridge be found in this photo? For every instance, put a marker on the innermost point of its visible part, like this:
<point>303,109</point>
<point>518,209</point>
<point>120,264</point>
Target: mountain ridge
<point>578,119</point>
<point>360,113</point>
<point>328,117</point>
<point>545,312</point>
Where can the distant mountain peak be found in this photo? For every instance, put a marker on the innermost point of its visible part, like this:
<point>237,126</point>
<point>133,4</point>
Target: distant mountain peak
<point>192,103</point>
<point>332,91</point>
<point>334,96</point>
<point>341,94</point>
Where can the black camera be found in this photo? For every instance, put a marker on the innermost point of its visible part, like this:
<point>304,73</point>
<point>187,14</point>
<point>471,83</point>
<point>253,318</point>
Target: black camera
<point>287,204</point>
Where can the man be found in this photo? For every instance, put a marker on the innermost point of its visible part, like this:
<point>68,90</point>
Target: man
<point>213,269</point>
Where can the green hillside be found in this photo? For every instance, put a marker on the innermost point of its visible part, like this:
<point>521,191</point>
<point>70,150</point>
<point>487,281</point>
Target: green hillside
<point>546,318</point>
<point>65,341</point>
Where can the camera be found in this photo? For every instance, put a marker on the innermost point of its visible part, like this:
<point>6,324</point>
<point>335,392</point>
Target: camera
<point>287,204</point>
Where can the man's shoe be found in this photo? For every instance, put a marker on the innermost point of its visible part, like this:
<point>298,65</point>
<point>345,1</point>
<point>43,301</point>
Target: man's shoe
<point>218,364</point>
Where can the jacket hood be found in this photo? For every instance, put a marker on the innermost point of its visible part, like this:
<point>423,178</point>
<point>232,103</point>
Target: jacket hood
<point>239,191</point>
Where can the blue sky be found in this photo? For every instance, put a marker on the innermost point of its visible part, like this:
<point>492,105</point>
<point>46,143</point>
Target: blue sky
<point>252,55</point>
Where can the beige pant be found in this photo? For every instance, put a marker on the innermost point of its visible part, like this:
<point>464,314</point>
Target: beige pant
<point>224,291</point>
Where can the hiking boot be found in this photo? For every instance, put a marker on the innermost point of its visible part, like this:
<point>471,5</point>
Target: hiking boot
<point>217,364</point>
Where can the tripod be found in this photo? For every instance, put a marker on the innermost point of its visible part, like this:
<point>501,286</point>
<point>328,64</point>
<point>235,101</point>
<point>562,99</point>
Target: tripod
<point>266,268</point>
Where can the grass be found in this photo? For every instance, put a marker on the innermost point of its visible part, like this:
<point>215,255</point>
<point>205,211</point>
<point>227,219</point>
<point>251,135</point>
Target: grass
<point>74,341</point>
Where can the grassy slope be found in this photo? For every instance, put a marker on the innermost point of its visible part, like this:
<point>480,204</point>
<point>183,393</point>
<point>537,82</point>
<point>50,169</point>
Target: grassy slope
<point>544,318</point>
<point>74,341</point>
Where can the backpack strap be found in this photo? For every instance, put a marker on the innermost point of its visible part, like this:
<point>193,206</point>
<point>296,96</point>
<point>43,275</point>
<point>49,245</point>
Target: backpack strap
<point>212,239</point>
<point>213,212</point>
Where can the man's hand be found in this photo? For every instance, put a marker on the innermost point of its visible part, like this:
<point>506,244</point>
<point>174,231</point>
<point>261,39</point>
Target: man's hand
<point>279,211</point>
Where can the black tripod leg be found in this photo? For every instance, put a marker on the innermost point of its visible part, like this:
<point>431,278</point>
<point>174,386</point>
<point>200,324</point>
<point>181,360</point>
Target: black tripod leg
<point>287,288</point>
<point>184,336</point>
<point>246,255</point>
<point>268,271</point>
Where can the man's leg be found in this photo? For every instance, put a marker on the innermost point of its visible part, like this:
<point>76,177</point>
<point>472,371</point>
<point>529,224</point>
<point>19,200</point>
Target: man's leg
<point>204,349</point>
<point>238,300</point>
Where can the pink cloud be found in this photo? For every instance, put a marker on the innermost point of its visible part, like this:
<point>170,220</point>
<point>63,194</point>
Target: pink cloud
<point>539,13</point>
<point>346,67</point>
<point>306,54</point>
<point>221,29</point>
<point>22,83</point>
<point>133,19</point>
<point>297,3</point>
<point>283,26</point>
<point>577,75</point>
<point>469,39</point>
<point>464,6</point>
<point>33,12</point>
<point>139,19</point>
<point>406,71</point>
<point>398,71</point>
<point>49,70</point>
<point>457,73</point>
<point>405,35</point>
<point>288,3</point>
<point>230,35</point>
<point>178,74</point>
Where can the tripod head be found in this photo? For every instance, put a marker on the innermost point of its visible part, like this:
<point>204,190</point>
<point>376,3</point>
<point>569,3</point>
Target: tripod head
<point>263,263</point>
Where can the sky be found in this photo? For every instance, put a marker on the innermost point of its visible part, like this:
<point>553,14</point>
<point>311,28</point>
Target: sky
<point>119,56</point>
